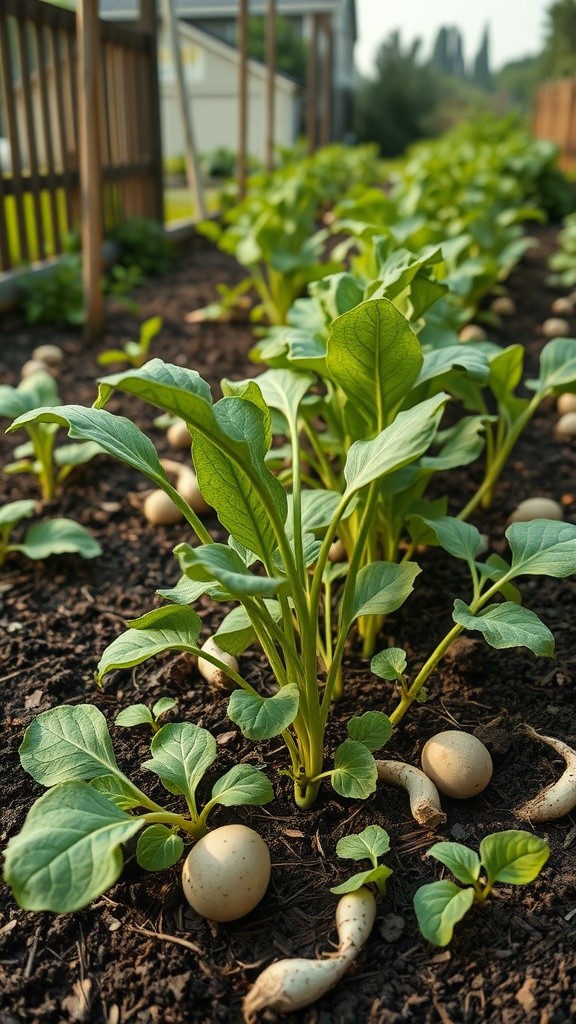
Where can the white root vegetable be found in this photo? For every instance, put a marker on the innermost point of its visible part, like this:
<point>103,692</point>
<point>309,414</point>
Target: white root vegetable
<point>34,366</point>
<point>503,305</point>
<point>337,551</point>
<point>178,435</point>
<point>556,327</point>
<point>160,510</point>
<point>560,798</point>
<point>184,480</point>
<point>563,305</point>
<point>536,508</point>
<point>566,426</point>
<point>566,403</point>
<point>52,355</point>
<point>211,673</point>
<point>289,985</point>
<point>472,332</point>
<point>424,797</point>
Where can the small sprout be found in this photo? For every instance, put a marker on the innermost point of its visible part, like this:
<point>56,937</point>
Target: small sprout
<point>370,844</point>
<point>226,873</point>
<point>472,332</point>
<point>566,426</point>
<point>503,305</point>
<point>459,764</point>
<point>34,366</point>
<point>178,435</point>
<point>566,403</point>
<point>51,355</point>
<point>139,714</point>
<point>52,537</point>
<point>134,352</point>
<point>160,510</point>
<point>289,985</point>
<point>211,672</point>
<point>536,508</point>
<point>560,798</point>
<point>424,799</point>
<point>555,327</point>
<point>563,306</point>
<point>515,857</point>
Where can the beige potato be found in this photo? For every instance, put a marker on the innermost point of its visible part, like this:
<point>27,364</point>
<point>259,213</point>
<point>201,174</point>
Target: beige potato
<point>226,873</point>
<point>458,763</point>
<point>536,508</point>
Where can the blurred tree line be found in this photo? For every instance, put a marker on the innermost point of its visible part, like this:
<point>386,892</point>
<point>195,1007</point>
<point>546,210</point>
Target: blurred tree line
<point>408,98</point>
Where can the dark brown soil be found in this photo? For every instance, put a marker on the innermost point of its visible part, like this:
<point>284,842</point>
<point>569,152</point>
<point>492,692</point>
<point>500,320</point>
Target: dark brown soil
<point>512,961</point>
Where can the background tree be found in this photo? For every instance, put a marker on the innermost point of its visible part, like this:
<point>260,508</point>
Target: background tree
<point>290,47</point>
<point>559,55</point>
<point>481,75</point>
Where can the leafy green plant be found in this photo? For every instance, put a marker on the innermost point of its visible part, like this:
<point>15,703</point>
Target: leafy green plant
<point>140,714</point>
<point>69,849</point>
<point>144,244</point>
<point>370,844</point>
<point>563,262</point>
<point>57,296</point>
<point>39,456</point>
<point>134,352</point>
<point>512,857</point>
<point>53,537</point>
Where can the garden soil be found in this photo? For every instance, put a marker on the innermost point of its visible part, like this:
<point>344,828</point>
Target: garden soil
<point>139,954</point>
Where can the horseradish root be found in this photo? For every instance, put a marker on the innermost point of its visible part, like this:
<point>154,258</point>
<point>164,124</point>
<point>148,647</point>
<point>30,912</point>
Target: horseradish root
<point>424,799</point>
<point>211,673</point>
<point>560,798</point>
<point>289,985</point>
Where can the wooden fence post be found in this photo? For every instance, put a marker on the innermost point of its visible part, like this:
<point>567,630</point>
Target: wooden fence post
<point>270,82</point>
<point>312,87</point>
<point>149,25</point>
<point>89,56</point>
<point>242,95</point>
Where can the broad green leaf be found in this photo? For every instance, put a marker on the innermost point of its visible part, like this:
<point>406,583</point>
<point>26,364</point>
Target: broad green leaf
<point>187,591</point>
<point>39,389</point>
<point>458,538</point>
<point>389,664</point>
<point>459,445</point>
<point>374,841</point>
<point>439,906</point>
<point>507,625</point>
<point>58,537</point>
<point>381,587</point>
<point>162,384</point>
<point>463,862</point>
<point>440,361</point>
<point>158,848</point>
<point>219,562</point>
<point>377,875</point>
<point>506,371</point>
<point>375,358</point>
<point>76,454</point>
<point>260,718</point>
<point>136,714</point>
<point>14,511</point>
<point>163,705</point>
<point>557,366</point>
<point>543,547</point>
<point>249,391</point>
<point>181,754</point>
<point>243,784</point>
<point>68,743</point>
<point>495,568</point>
<point>513,856</point>
<point>408,437</point>
<point>318,508</point>
<point>373,729</point>
<point>69,849</point>
<point>355,774</point>
<point>284,390</point>
<point>117,790</point>
<point>235,633</point>
<point>171,628</point>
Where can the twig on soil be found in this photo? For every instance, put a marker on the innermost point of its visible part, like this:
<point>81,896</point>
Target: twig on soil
<point>32,954</point>
<point>165,937</point>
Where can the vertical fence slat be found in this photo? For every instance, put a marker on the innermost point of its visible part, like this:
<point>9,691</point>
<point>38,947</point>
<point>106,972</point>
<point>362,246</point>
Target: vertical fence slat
<point>47,133</point>
<point>62,128</point>
<point>34,170</point>
<point>12,119</point>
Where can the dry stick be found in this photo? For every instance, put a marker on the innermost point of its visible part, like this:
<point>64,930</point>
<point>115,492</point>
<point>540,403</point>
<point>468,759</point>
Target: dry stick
<point>165,937</point>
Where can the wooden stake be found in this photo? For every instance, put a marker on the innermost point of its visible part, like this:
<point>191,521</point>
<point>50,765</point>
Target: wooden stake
<point>242,94</point>
<point>270,81</point>
<point>89,51</point>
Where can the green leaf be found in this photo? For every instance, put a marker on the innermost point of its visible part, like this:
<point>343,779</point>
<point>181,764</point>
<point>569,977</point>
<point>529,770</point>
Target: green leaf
<point>557,366</point>
<point>70,455</point>
<point>38,389</point>
<point>235,633</point>
<point>506,371</point>
<point>181,754</point>
<point>463,862</point>
<point>117,790</point>
<point>508,625</point>
<point>374,841</point>
<point>440,361</point>
<point>389,664</point>
<point>136,714</point>
<point>158,848</point>
<point>543,547</point>
<point>355,774</point>
<point>456,537</point>
<point>68,743</point>
<point>163,705</point>
<point>375,358</point>
<point>377,875</point>
<point>260,718</point>
<point>69,849</point>
<point>171,628</point>
<point>243,784</point>
<point>249,391</point>
<point>219,562</point>
<point>408,437</point>
<point>58,537</point>
<point>513,856</point>
<point>373,729</point>
<point>14,511</point>
<point>284,390</point>
<point>381,587</point>
<point>439,906</point>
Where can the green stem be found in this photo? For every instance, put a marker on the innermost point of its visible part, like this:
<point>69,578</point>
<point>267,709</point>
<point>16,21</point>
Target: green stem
<point>193,828</point>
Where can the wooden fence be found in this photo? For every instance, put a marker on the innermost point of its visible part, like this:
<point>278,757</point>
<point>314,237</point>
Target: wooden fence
<point>39,172</point>
<point>554,117</point>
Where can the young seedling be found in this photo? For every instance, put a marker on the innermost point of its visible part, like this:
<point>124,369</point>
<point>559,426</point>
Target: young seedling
<point>69,849</point>
<point>134,352</point>
<point>371,844</point>
<point>514,857</point>
<point>140,714</point>
<point>53,537</point>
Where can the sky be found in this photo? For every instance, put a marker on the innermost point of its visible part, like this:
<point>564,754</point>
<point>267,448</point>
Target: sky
<point>517,27</point>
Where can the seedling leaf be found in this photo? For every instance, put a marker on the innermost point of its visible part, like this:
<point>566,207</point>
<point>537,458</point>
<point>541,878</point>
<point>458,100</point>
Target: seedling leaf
<point>57,537</point>
<point>463,862</point>
<point>260,718</point>
<point>439,906</point>
<point>381,587</point>
<point>355,774</point>
<point>374,841</point>
<point>373,729</point>
<point>136,714</point>
<point>508,625</point>
<point>513,856</point>
<point>389,664</point>
<point>377,875</point>
<point>158,848</point>
<point>68,743</point>
<point>171,628</point>
<point>181,754</point>
<point>244,784</point>
<point>543,547</point>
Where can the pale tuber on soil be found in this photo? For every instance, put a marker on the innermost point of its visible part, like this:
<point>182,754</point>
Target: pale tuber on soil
<point>560,798</point>
<point>458,763</point>
<point>472,332</point>
<point>555,327</point>
<point>566,426</point>
<point>160,510</point>
<point>226,873</point>
<point>290,985</point>
<point>51,355</point>
<point>536,508</point>
<point>503,305</point>
<point>178,435</point>
<point>210,672</point>
<point>566,403</point>
<point>424,799</point>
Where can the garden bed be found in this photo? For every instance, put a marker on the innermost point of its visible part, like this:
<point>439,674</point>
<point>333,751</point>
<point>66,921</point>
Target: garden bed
<point>511,960</point>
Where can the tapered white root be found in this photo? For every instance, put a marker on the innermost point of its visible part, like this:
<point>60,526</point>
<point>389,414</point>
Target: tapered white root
<point>424,797</point>
<point>289,985</point>
<point>211,673</point>
<point>560,798</point>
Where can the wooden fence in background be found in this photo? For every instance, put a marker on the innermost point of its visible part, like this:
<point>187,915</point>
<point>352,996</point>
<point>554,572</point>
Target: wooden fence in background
<point>39,173</point>
<point>554,117</point>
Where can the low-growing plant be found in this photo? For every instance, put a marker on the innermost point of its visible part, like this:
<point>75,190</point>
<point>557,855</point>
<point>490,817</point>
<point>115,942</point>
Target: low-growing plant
<point>512,857</point>
<point>69,849</point>
<point>141,714</point>
<point>57,296</point>
<point>144,244</point>
<point>39,456</point>
<point>370,844</point>
<point>52,537</point>
<point>135,353</point>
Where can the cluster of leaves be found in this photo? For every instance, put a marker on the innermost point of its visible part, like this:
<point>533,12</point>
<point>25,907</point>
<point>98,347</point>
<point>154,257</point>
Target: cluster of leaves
<point>563,262</point>
<point>53,537</point>
<point>135,353</point>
